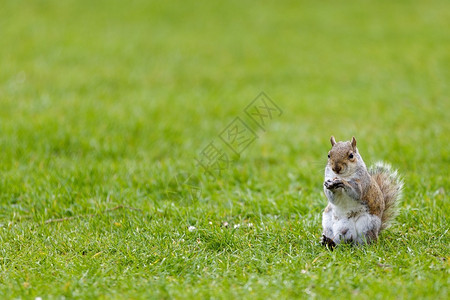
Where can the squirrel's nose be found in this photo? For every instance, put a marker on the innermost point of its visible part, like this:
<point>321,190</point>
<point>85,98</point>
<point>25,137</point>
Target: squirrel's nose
<point>337,169</point>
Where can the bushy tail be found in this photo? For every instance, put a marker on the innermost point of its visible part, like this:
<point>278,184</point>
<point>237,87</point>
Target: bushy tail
<point>391,186</point>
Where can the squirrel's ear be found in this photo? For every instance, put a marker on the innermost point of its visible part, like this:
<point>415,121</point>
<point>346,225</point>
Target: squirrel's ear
<point>332,140</point>
<point>354,143</point>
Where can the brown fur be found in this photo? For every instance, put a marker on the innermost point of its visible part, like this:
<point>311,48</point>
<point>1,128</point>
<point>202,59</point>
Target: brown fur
<point>391,187</point>
<point>374,199</point>
<point>339,155</point>
<point>353,214</point>
<point>372,236</point>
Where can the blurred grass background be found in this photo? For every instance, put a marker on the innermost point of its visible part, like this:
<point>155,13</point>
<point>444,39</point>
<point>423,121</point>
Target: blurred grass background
<point>104,102</point>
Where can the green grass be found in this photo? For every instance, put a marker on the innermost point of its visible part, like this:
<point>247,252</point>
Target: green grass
<point>103,103</point>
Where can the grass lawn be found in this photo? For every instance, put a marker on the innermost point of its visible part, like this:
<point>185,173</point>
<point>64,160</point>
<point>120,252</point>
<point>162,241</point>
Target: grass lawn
<point>106,106</point>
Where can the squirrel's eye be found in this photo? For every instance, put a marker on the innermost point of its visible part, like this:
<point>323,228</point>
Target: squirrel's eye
<point>328,155</point>
<point>350,156</point>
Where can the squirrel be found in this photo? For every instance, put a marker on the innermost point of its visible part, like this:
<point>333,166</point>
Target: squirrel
<point>361,202</point>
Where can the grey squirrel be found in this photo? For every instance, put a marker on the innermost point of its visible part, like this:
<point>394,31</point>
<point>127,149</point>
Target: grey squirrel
<point>361,202</point>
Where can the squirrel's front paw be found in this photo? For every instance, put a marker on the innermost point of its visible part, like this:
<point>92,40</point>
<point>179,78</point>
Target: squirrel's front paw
<point>333,184</point>
<point>328,183</point>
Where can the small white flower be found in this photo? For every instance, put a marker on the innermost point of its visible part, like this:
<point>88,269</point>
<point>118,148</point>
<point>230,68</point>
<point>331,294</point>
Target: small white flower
<point>250,225</point>
<point>236,226</point>
<point>210,223</point>
<point>192,228</point>
<point>38,298</point>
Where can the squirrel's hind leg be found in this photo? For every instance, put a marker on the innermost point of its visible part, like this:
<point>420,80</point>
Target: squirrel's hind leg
<point>327,242</point>
<point>368,228</point>
<point>327,222</point>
